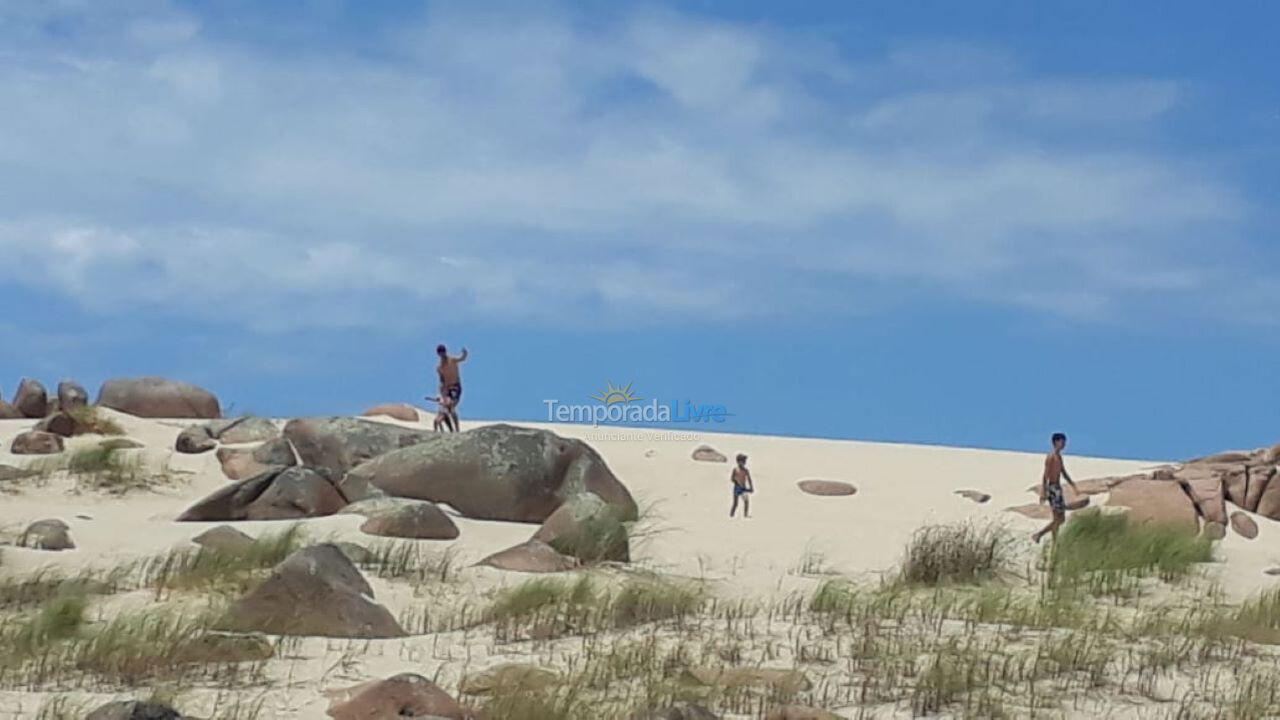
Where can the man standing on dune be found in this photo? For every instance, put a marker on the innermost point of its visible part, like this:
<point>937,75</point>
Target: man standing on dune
<point>1051,487</point>
<point>450,381</point>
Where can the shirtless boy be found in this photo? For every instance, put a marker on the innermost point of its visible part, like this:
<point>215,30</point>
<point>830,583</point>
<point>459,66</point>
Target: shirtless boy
<point>1051,487</point>
<point>450,381</point>
<point>443,418</point>
<point>742,486</point>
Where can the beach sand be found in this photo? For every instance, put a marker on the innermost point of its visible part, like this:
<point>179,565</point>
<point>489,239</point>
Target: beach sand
<point>688,533</point>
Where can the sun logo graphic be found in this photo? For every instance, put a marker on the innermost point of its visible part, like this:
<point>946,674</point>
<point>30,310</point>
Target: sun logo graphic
<point>613,395</point>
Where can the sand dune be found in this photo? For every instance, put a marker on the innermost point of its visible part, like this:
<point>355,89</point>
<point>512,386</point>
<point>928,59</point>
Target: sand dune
<point>900,488</point>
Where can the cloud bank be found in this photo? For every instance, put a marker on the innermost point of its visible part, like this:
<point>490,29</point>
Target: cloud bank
<point>541,166</point>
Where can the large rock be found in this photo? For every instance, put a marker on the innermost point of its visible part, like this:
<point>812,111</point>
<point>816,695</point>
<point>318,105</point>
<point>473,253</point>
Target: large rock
<point>47,535</point>
<point>72,395</point>
<point>1260,480</point>
<point>496,472</point>
<point>1156,502</point>
<point>403,696</point>
<point>36,442</point>
<point>399,412</point>
<point>1244,525</point>
<point>1269,499</point>
<point>284,494</point>
<point>154,397</point>
<point>134,710</point>
<point>401,518</point>
<point>315,592</point>
<point>587,528</point>
<point>31,399</point>
<point>241,463</point>
<point>1206,493</point>
<point>339,443</point>
<point>533,556</point>
<point>1235,486</point>
<point>827,488</point>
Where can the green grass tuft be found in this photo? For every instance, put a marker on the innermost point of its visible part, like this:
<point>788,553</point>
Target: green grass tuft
<point>960,553</point>
<point>1106,553</point>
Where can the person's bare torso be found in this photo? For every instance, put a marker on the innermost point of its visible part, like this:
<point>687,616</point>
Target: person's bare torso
<point>448,371</point>
<point>740,477</point>
<point>1053,469</point>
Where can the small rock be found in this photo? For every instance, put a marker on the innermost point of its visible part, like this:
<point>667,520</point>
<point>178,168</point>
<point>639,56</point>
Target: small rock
<point>36,442</point>
<point>31,399</point>
<point>195,440</point>
<point>134,710</point>
<point>1244,525</point>
<point>412,519</point>
<point>8,411</point>
<point>530,557</point>
<point>786,681</point>
<point>398,412</point>
<point>245,429</point>
<point>706,453</point>
<point>72,395</point>
<point>356,553</point>
<point>1272,571</point>
<point>223,537</point>
<point>650,453</point>
<point>1214,530</point>
<point>974,495</point>
<point>828,488</point>
<point>47,535</point>
<point>403,696</point>
<point>508,678</point>
<point>8,473</point>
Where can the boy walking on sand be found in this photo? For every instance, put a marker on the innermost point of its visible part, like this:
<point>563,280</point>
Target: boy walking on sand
<point>450,381</point>
<point>1051,487</point>
<point>742,486</point>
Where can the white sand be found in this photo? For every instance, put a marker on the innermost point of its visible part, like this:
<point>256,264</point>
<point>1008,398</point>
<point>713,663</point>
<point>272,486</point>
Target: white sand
<point>900,489</point>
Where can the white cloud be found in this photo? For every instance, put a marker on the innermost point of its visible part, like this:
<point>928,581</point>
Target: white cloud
<point>532,166</point>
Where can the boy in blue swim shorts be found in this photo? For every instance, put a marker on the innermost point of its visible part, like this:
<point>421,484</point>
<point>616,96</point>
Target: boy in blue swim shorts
<point>742,487</point>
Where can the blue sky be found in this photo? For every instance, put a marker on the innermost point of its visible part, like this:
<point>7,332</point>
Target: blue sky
<point>955,223</point>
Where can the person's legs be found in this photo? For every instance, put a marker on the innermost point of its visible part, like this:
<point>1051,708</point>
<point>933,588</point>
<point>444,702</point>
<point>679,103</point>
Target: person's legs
<point>746,505</point>
<point>734,509</point>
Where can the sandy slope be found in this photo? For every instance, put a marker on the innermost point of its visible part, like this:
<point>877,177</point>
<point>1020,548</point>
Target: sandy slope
<point>900,488</point>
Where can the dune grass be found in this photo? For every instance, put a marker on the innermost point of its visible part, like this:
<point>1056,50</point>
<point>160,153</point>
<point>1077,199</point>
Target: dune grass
<point>961,553</point>
<point>1107,554</point>
<point>98,468</point>
<point>216,569</point>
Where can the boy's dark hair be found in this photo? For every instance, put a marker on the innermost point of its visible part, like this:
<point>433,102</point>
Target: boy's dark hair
<point>742,456</point>
<point>1059,437</point>
<point>440,350</point>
